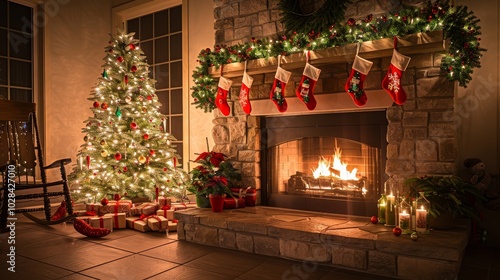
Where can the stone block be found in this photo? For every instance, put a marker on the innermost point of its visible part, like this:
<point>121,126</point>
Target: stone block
<point>253,121</point>
<point>392,151</point>
<point>257,32</point>
<point>447,149</point>
<point>436,168</point>
<point>304,251</point>
<point>433,72</point>
<point>407,150</point>
<point>237,133</point>
<point>394,132</point>
<point>415,119</point>
<point>435,87</point>
<point>248,224</point>
<point>249,156</point>
<point>252,6</point>
<point>412,268</point>
<point>330,84</point>
<point>394,114</point>
<point>228,35</point>
<point>442,130</point>
<point>410,104</point>
<point>266,245</point>
<point>373,80</point>
<point>415,133</point>
<point>253,139</point>
<point>227,239</point>
<point>410,91</point>
<point>437,57</point>
<point>212,221</point>
<point>250,169</point>
<point>206,235</point>
<point>181,233</point>
<point>243,32</point>
<point>244,242</point>
<point>382,263</point>
<point>229,10</point>
<point>348,257</point>
<point>442,116</point>
<point>399,166</point>
<point>264,17</point>
<point>269,29</point>
<point>220,134</point>
<point>259,92</point>
<point>351,237</point>
<point>421,61</point>
<point>426,150</point>
<point>243,21</point>
<point>408,77</point>
<point>189,236</point>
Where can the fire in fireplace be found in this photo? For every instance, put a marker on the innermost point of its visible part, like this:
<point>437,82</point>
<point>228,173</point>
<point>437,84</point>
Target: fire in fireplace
<point>327,163</point>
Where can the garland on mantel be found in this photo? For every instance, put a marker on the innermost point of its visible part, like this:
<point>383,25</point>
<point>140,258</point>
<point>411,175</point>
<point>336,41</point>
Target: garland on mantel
<point>459,25</point>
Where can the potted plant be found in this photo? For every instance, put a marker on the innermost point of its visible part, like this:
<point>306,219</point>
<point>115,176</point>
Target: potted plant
<point>449,197</point>
<point>212,179</point>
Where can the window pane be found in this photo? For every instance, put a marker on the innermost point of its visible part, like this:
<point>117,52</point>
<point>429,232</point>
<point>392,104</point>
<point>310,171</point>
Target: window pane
<point>146,27</point>
<point>163,98</point>
<point>133,26</point>
<point>176,127</point>
<point>161,23</point>
<point>176,47</point>
<point>176,98</point>
<point>147,48</point>
<point>3,42</point>
<point>161,76</point>
<point>21,95</point>
<point>20,46</point>
<point>178,149</point>
<point>3,93</point>
<point>3,71</point>
<point>20,73</point>
<point>176,74</point>
<point>161,50</point>
<point>20,17</point>
<point>176,19</point>
<point>3,13</point>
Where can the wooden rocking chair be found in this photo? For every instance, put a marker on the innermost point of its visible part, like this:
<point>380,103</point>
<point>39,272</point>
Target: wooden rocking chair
<point>18,141</point>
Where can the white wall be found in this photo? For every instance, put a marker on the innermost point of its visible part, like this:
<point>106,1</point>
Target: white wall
<point>477,106</point>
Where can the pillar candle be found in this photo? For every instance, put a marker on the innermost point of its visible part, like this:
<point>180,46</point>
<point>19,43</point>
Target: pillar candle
<point>390,218</point>
<point>421,220</point>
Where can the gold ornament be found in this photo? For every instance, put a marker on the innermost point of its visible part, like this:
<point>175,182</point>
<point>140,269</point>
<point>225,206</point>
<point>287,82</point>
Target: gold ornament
<point>103,142</point>
<point>142,159</point>
<point>104,153</point>
<point>414,236</point>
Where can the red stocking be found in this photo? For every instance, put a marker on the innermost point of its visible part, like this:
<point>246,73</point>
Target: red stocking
<point>246,84</point>
<point>277,94</point>
<point>306,86</point>
<point>221,98</point>
<point>354,84</point>
<point>392,80</point>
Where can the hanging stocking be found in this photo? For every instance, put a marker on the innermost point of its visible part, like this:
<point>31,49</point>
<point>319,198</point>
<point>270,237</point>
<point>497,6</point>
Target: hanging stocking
<point>306,86</point>
<point>246,84</point>
<point>392,80</point>
<point>278,90</point>
<point>354,84</point>
<point>221,98</point>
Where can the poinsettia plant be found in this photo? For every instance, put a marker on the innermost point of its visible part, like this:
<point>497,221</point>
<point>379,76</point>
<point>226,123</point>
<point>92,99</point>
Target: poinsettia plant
<point>214,175</point>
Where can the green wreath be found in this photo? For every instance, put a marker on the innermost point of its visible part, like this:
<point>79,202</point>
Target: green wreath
<point>295,19</point>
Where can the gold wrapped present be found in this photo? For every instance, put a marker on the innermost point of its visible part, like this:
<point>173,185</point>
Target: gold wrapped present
<point>137,224</point>
<point>169,214</point>
<point>164,201</point>
<point>144,208</point>
<point>102,222</point>
<point>119,206</point>
<point>157,223</point>
<point>119,219</point>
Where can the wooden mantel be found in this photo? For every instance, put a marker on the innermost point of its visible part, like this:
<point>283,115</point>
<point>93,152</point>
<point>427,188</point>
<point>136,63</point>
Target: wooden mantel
<point>418,43</point>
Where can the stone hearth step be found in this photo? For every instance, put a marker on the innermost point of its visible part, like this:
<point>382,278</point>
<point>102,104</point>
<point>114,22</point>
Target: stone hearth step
<point>350,242</point>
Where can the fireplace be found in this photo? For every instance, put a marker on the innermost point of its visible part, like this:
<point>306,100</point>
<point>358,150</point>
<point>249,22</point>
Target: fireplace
<point>332,163</point>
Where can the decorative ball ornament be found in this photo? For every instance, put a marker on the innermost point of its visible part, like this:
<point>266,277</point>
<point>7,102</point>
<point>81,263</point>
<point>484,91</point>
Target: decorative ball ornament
<point>397,231</point>
<point>414,236</point>
<point>128,99</point>
<point>104,105</point>
<point>103,142</point>
<point>116,196</point>
<point>149,97</point>
<point>133,125</point>
<point>151,152</point>
<point>130,47</point>
<point>142,159</point>
<point>119,59</point>
<point>144,109</point>
<point>374,220</point>
<point>104,153</point>
<point>125,169</point>
<point>118,156</point>
<point>85,138</point>
<point>96,104</point>
<point>104,201</point>
<point>133,69</point>
<point>145,136</point>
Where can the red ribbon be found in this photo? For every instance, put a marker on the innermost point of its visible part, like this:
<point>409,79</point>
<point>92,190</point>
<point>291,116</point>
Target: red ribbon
<point>145,218</point>
<point>116,221</point>
<point>157,193</point>
<point>101,222</point>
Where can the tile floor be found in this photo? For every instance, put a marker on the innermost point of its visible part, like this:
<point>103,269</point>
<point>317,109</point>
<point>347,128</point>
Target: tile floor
<point>59,252</point>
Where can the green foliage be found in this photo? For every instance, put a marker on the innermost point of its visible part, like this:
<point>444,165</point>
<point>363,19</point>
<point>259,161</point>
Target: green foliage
<point>459,25</point>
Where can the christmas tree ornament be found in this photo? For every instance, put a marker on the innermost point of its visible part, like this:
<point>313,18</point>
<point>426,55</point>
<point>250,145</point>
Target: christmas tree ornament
<point>116,196</point>
<point>149,97</point>
<point>174,159</point>
<point>397,231</point>
<point>96,104</point>
<point>119,59</point>
<point>152,152</point>
<point>128,99</point>
<point>85,138</point>
<point>104,201</point>
<point>104,106</point>
<point>144,109</point>
<point>88,161</point>
<point>133,69</point>
<point>104,153</point>
<point>118,112</point>
<point>305,91</point>
<point>104,74</point>
<point>145,136</point>
<point>141,159</point>
<point>118,156</point>
<point>244,98</point>
<point>125,169</point>
<point>392,80</point>
<point>414,236</point>
<point>130,47</point>
<point>354,84</point>
<point>125,79</point>
<point>374,220</point>
<point>103,142</point>
<point>133,125</point>
<point>221,97</point>
<point>277,94</point>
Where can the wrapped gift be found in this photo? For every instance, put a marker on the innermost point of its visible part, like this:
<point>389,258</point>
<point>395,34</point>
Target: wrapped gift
<point>102,222</point>
<point>172,226</point>
<point>144,208</point>
<point>79,207</point>
<point>233,202</point>
<point>249,194</point>
<point>93,207</point>
<point>119,206</point>
<point>80,213</point>
<point>119,219</point>
<point>164,201</point>
<point>183,205</point>
<point>137,224</point>
<point>157,223</point>
<point>85,218</point>
<point>169,214</point>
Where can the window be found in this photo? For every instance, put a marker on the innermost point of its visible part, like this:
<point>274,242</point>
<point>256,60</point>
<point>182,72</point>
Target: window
<point>160,36</point>
<point>16,52</point>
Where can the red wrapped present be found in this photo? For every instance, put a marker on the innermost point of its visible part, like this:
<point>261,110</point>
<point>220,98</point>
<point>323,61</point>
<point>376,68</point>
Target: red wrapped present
<point>233,202</point>
<point>137,224</point>
<point>169,214</point>
<point>157,223</point>
<point>249,194</point>
<point>119,219</point>
<point>146,208</point>
<point>164,201</point>
<point>93,207</point>
<point>118,206</point>
<point>102,222</point>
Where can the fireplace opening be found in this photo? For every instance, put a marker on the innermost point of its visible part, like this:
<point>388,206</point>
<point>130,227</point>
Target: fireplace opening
<point>330,163</point>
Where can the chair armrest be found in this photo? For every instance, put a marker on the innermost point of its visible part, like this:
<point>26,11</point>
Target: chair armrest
<point>58,163</point>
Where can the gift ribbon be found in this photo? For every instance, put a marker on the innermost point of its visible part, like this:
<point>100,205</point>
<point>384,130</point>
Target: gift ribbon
<point>115,219</point>
<point>116,206</point>
<point>101,222</point>
<point>165,209</point>
<point>146,218</point>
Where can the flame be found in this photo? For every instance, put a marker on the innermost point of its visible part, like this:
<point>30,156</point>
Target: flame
<point>337,169</point>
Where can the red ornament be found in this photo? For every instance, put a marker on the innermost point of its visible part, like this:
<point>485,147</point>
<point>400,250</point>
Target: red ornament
<point>133,69</point>
<point>118,156</point>
<point>88,162</point>
<point>351,22</point>
<point>96,104</point>
<point>131,47</point>
<point>104,106</point>
<point>145,136</point>
<point>104,201</point>
<point>165,169</point>
<point>151,152</point>
<point>125,169</point>
<point>133,125</point>
<point>116,196</point>
<point>119,59</point>
<point>435,10</point>
<point>149,97</point>
<point>397,231</point>
<point>374,220</point>
<point>126,79</point>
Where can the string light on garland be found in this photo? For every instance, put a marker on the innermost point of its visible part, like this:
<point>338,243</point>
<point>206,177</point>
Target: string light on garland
<point>459,25</point>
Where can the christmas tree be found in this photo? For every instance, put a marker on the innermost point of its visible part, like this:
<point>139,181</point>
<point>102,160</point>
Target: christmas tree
<point>126,150</point>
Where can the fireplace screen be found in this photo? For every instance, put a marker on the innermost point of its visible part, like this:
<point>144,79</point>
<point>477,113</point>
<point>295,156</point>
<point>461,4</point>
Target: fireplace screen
<point>325,167</point>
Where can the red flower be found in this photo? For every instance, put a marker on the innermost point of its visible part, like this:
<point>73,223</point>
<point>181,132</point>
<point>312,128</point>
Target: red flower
<point>217,158</point>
